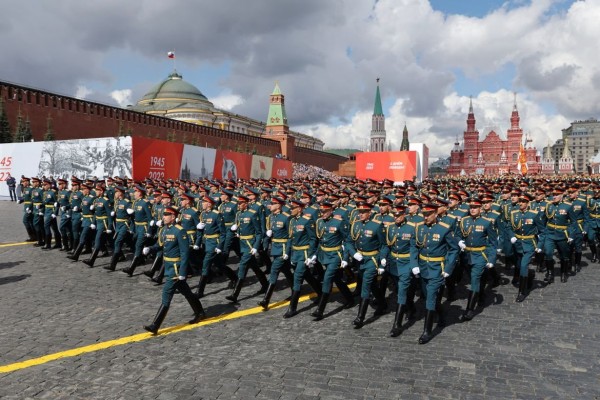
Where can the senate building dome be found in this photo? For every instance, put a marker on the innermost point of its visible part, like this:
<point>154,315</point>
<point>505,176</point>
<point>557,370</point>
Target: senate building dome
<point>180,100</point>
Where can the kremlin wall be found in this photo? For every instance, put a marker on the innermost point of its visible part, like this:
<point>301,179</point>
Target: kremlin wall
<point>71,118</point>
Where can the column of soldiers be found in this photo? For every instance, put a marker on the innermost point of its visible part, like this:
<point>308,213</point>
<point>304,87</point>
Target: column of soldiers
<point>422,240</point>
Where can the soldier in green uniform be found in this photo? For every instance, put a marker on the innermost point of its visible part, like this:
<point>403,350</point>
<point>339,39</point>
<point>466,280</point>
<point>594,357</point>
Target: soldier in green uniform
<point>37,194</point>
<point>582,215</point>
<point>175,246</point>
<point>228,209</point>
<point>50,213</point>
<point>247,227</point>
<point>479,240</point>
<point>27,209</point>
<point>65,227</point>
<point>122,225</point>
<point>278,236</point>
<point>102,222</point>
<point>332,234</point>
<point>368,246</point>
<point>433,251</point>
<point>527,234</point>
<point>303,243</point>
<point>142,215</point>
<point>593,227</point>
<point>87,216</point>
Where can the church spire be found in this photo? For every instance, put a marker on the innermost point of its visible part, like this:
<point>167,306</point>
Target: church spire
<point>378,124</point>
<point>566,152</point>
<point>471,117</point>
<point>404,146</point>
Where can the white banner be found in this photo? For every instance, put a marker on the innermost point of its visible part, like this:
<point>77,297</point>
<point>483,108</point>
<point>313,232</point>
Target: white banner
<point>197,162</point>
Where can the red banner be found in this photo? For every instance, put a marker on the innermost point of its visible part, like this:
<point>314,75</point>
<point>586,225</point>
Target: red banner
<point>231,165</point>
<point>156,159</point>
<point>395,165</point>
<point>282,169</point>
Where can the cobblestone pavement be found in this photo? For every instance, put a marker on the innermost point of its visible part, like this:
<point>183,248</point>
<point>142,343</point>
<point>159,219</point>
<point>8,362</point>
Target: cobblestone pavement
<point>545,347</point>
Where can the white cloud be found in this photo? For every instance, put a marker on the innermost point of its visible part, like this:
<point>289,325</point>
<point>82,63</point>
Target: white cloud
<point>227,101</point>
<point>82,92</point>
<point>122,97</point>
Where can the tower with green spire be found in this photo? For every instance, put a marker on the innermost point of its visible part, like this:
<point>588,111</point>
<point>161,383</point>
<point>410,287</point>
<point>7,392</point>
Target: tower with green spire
<point>404,145</point>
<point>277,119</point>
<point>377,124</point>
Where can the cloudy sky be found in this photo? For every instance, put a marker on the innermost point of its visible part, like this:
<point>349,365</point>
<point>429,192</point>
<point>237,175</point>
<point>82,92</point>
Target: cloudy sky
<point>430,56</point>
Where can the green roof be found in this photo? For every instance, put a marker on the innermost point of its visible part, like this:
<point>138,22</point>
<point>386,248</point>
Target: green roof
<point>378,109</point>
<point>174,87</point>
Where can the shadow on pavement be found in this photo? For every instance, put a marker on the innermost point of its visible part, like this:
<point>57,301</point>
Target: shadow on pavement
<point>12,279</point>
<point>10,264</point>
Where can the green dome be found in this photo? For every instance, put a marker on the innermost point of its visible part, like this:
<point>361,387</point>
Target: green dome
<point>174,88</point>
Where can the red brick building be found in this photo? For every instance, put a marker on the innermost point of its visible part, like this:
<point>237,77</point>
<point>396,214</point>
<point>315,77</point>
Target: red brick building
<point>493,155</point>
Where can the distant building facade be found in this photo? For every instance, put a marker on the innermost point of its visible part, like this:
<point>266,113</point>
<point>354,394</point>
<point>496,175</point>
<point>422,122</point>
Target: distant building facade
<point>493,155</point>
<point>583,138</point>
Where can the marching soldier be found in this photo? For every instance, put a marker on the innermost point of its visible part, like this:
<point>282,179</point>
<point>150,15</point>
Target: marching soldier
<point>75,212</point>
<point>27,209</point>
<point>37,199</point>
<point>142,215</point>
<point>278,234</point>
<point>101,223</point>
<point>582,215</point>
<point>332,233</point>
<point>527,234</point>
<point>65,227</point>
<point>157,264</point>
<point>87,219</point>
<point>174,242</point>
<point>50,213</point>
<point>593,228</point>
<point>122,225</point>
<point>228,209</point>
<point>433,251</point>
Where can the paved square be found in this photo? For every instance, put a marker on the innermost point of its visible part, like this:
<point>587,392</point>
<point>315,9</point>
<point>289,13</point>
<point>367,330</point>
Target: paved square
<point>545,347</point>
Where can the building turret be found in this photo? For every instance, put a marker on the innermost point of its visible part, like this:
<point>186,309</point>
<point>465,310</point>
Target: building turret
<point>378,124</point>
<point>565,163</point>
<point>404,146</point>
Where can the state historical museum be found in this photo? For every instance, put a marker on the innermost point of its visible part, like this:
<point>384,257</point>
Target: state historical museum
<point>493,155</point>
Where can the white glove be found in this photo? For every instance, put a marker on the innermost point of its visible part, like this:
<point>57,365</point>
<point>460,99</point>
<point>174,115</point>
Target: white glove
<point>380,271</point>
<point>92,207</point>
<point>92,227</point>
<point>112,213</point>
<point>53,216</point>
<point>513,240</point>
<point>75,208</point>
<point>152,222</point>
<point>159,223</point>
<point>146,251</point>
<point>40,213</point>
<point>109,231</point>
<point>357,256</point>
<point>569,240</point>
<point>462,245</point>
<point>55,204</point>
<point>538,250</point>
<point>130,211</point>
<point>234,227</point>
<point>200,225</point>
<point>383,262</point>
<point>63,209</point>
<point>196,247</point>
<point>344,264</point>
<point>285,256</point>
<point>68,216</point>
<point>218,250</point>
<point>181,278</point>
<point>148,235</point>
<point>489,265</point>
<point>309,261</point>
<point>445,274</point>
<point>253,251</point>
<point>28,211</point>
<point>416,271</point>
<point>498,251</point>
<point>583,232</point>
<point>269,233</point>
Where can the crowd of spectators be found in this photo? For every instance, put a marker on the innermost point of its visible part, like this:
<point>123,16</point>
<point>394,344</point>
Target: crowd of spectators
<point>303,171</point>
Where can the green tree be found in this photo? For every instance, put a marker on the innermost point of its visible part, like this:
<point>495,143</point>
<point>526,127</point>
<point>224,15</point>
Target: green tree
<point>5,135</point>
<point>49,136</point>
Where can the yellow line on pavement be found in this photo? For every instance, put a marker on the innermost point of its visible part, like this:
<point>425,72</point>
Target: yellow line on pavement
<point>14,244</point>
<point>145,336</point>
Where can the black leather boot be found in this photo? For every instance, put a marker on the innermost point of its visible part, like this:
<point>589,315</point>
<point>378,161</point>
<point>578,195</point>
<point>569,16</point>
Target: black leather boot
<point>470,310</point>
<point>262,279</point>
<point>199,314</point>
<point>134,263</point>
<point>345,291</point>
<point>549,278</point>
<point>539,262</point>
<point>318,313</point>
<point>90,261</point>
<point>201,286</point>
<point>47,242</point>
<point>233,297</point>
<point>427,334</point>
<point>291,311</point>
<point>577,262</point>
<point>522,289</point>
<point>77,253</point>
<point>113,263</point>
<point>158,279</point>
<point>155,267</point>
<point>594,251</point>
<point>312,282</point>
<point>264,303</point>
<point>158,320</point>
<point>357,289</point>
<point>359,321</point>
<point>564,271</point>
<point>397,327</point>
